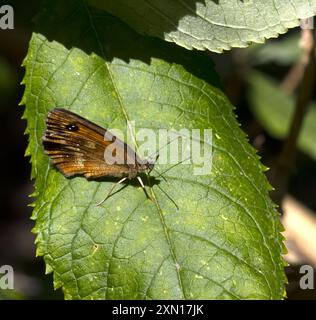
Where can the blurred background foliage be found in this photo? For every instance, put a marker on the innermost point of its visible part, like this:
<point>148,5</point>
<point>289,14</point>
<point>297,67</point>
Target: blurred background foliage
<point>255,81</point>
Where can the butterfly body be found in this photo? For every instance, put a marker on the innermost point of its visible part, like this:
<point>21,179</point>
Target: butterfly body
<point>77,146</point>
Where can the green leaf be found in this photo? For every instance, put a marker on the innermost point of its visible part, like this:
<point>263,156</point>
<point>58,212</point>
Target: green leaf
<point>274,109</point>
<point>283,52</point>
<point>213,25</point>
<point>224,242</point>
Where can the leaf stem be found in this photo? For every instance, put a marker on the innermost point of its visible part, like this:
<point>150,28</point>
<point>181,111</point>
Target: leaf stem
<point>281,171</point>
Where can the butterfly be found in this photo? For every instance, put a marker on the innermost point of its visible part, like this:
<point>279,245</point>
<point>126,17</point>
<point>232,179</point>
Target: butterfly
<point>77,146</point>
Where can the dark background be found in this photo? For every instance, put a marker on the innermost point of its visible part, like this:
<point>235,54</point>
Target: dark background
<point>16,240</point>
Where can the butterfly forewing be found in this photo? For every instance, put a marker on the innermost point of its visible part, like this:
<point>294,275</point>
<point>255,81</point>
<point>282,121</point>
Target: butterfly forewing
<point>77,147</point>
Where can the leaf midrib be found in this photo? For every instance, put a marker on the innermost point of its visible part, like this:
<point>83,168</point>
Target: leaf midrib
<point>163,223</point>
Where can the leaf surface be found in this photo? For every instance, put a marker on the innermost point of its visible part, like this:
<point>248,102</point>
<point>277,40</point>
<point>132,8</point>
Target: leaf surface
<point>224,242</point>
<point>214,25</point>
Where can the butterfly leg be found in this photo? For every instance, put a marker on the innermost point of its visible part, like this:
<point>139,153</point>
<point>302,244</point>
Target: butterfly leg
<point>143,186</point>
<point>110,192</point>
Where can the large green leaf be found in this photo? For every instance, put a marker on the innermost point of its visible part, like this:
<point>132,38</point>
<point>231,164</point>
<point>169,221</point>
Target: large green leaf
<point>224,242</point>
<point>208,24</point>
<point>274,109</point>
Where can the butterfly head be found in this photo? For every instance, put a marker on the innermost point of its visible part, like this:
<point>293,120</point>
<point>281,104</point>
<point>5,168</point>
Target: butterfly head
<point>150,166</point>
<point>146,166</point>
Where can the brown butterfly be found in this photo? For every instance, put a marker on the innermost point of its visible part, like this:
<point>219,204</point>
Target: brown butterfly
<point>78,147</point>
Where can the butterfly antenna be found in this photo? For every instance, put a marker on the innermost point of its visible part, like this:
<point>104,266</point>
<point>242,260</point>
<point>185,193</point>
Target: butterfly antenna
<point>160,174</point>
<point>165,145</point>
<point>110,192</point>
